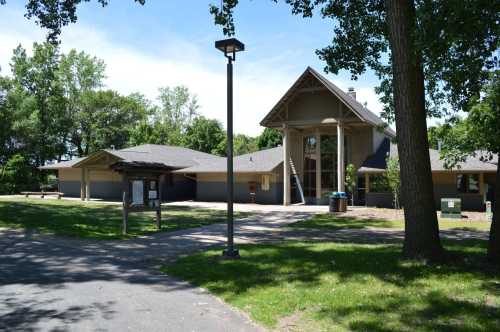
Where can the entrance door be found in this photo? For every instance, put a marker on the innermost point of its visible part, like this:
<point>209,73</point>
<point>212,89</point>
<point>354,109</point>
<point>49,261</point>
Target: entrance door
<point>361,191</point>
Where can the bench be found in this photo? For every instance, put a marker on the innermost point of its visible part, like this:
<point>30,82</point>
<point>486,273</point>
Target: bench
<point>42,193</point>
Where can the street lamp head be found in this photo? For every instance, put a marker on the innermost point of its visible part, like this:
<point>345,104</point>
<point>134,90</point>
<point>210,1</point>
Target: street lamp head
<point>229,47</point>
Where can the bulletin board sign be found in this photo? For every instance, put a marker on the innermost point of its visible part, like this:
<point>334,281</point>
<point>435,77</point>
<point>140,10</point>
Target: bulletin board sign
<point>140,195</point>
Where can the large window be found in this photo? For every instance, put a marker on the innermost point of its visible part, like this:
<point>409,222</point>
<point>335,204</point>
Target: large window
<point>328,163</point>
<point>468,183</point>
<point>310,146</point>
<point>379,184</point>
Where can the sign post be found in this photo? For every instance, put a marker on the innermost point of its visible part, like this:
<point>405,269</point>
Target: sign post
<point>145,196</point>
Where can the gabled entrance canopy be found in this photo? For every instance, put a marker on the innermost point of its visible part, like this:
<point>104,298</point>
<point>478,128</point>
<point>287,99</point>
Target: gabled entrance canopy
<point>345,108</point>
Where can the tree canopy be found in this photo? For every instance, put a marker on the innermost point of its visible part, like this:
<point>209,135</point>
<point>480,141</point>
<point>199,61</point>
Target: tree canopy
<point>55,14</point>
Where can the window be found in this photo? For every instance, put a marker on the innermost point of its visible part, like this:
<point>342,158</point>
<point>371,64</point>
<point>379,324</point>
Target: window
<point>265,183</point>
<point>379,184</point>
<point>328,163</point>
<point>468,183</point>
<point>310,166</point>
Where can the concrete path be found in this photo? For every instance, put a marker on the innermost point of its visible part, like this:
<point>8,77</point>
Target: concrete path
<point>50,283</point>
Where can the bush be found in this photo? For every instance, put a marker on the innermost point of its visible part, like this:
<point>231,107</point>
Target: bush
<point>17,175</point>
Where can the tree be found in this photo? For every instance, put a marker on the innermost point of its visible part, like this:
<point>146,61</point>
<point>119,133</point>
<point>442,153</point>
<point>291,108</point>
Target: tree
<point>6,120</point>
<point>478,135</point>
<point>350,180</point>
<point>106,120</point>
<point>16,175</point>
<point>393,178</point>
<point>54,14</point>
<point>205,135</point>
<point>269,138</point>
<point>79,74</point>
<point>244,144</point>
<point>41,102</point>
<point>435,51</point>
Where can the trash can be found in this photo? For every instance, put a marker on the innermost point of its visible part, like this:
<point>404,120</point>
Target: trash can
<point>333,202</point>
<point>342,201</point>
<point>338,202</point>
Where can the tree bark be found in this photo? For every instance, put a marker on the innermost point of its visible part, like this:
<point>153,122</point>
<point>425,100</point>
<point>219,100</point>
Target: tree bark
<point>421,225</point>
<point>494,241</point>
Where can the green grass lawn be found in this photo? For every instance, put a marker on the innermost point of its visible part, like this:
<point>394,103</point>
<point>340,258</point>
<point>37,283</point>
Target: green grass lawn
<point>332,222</point>
<point>97,220</point>
<point>351,287</point>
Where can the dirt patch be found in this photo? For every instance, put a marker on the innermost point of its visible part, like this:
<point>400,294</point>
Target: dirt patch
<point>298,322</point>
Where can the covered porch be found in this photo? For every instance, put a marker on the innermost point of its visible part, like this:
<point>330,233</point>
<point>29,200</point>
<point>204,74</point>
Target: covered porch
<point>324,129</point>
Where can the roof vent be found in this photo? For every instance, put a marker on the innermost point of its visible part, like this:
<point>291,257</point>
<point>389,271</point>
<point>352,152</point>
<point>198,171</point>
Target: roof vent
<point>351,92</point>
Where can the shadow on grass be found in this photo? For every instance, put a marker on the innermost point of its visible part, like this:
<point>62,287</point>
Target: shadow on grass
<point>374,289</point>
<point>98,221</point>
<point>332,222</point>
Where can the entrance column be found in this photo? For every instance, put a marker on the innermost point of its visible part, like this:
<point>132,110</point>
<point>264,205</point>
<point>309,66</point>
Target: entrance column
<point>318,166</point>
<point>286,166</point>
<point>82,184</point>
<point>340,158</point>
<point>87,184</point>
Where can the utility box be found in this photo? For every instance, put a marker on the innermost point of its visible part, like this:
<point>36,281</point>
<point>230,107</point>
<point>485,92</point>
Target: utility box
<point>451,208</point>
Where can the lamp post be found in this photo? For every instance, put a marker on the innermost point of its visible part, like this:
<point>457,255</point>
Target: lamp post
<point>230,47</point>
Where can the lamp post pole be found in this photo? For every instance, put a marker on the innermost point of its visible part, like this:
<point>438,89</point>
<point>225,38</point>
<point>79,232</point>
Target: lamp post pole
<point>230,252</point>
<point>230,47</point>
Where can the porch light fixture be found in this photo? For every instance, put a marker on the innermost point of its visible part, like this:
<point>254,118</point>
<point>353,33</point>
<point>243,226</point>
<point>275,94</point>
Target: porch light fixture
<point>229,47</point>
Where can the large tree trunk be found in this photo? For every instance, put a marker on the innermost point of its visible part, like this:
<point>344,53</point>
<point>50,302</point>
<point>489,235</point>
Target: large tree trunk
<point>421,225</point>
<point>494,242</point>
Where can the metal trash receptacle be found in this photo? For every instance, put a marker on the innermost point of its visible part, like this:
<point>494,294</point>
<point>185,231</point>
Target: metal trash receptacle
<point>338,201</point>
<point>342,201</point>
<point>333,201</point>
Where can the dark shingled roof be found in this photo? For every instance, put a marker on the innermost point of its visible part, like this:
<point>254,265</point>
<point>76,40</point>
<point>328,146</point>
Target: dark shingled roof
<point>257,162</point>
<point>362,112</point>
<point>169,156</point>
<point>376,163</point>
<point>148,154</point>
<point>63,164</point>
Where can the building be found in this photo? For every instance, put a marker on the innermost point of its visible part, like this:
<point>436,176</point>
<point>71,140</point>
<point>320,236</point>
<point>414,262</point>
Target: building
<point>324,129</point>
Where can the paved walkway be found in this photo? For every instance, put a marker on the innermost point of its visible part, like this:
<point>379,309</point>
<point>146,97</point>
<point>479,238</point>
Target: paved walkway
<point>55,283</point>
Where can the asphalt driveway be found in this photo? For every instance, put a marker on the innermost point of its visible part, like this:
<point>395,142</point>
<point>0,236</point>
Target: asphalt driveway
<point>50,283</point>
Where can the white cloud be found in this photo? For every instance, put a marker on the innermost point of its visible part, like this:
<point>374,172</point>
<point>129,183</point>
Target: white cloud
<point>258,84</point>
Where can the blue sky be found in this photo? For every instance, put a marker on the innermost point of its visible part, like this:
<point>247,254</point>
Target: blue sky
<point>167,43</point>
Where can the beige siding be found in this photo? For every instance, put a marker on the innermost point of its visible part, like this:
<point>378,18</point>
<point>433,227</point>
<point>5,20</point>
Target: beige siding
<point>75,174</point>
<point>360,145</point>
<point>317,106</point>
<point>444,177</point>
<point>101,175</point>
<point>239,178</point>
<point>70,174</point>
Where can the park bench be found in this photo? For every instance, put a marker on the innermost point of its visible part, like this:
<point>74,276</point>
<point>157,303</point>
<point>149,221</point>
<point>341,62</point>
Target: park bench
<point>42,193</point>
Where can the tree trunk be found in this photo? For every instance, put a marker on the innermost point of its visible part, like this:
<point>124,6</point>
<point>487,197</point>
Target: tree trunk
<point>494,242</point>
<point>417,194</point>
